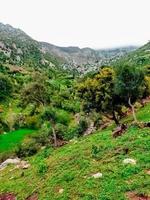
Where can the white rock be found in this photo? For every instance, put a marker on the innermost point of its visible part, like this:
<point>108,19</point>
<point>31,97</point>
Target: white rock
<point>23,165</point>
<point>9,161</point>
<point>97,175</point>
<point>61,190</point>
<point>129,161</point>
<point>16,161</point>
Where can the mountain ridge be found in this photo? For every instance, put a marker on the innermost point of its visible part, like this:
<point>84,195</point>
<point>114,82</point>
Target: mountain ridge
<point>16,47</point>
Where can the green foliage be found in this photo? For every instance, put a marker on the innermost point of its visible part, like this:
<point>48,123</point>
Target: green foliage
<point>42,168</point>
<point>129,82</point>
<point>147,86</point>
<point>11,140</point>
<point>33,122</point>
<point>28,148</point>
<point>35,92</point>
<point>46,152</point>
<point>95,151</point>
<point>6,87</point>
<point>72,166</point>
<point>98,91</point>
<point>76,130</point>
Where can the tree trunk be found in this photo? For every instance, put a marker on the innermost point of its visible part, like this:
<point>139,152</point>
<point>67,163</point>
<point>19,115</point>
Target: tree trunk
<point>54,137</point>
<point>133,111</point>
<point>115,118</point>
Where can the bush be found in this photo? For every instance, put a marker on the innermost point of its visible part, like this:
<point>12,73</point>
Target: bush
<point>46,152</point>
<point>95,151</point>
<point>27,149</point>
<point>82,126</point>
<point>62,117</point>
<point>71,106</point>
<point>6,87</point>
<point>76,130</point>
<point>147,86</point>
<point>44,136</point>
<point>42,168</point>
<point>32,122</point>
<point>56,115</point>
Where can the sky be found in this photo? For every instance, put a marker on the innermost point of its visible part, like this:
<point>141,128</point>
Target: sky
<point>83,23</point>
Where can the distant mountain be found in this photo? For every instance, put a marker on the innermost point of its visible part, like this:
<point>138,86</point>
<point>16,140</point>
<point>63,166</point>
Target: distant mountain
<point>86,59</point>
<point>17,48</point>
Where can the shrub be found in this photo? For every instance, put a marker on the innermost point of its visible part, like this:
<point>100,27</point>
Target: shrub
<point>33,122</point>
<point>42,168</point>
<point>76,130</point>
<point>147,85</point>
<point>27,149</point>
<point>6,87</point>
<point>82,126</point>
<point>46,152</point>
<point>44,135</point>
<point>60,130</point>
<point>95,151</point>
<point>63,117</point>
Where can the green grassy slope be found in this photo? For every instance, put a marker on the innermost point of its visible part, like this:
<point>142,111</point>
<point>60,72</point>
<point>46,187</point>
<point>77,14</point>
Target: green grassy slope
<point>71,168</point>
<point>10,140</point>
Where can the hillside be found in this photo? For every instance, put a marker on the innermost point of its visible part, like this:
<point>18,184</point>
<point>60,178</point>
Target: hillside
<point>66,134</point>
<point>86,59</point>
<point>17,48</point>
<point>140,57</point>
<point>68,172</point>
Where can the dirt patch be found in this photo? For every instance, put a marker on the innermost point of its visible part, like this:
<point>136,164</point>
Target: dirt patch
<point>33,197</point>
<point>134,196</point>
<point>148,172</point>
<point>7,196</point>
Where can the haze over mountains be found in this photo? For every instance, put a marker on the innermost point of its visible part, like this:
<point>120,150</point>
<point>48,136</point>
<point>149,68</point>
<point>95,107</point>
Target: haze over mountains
<point>16,47</point>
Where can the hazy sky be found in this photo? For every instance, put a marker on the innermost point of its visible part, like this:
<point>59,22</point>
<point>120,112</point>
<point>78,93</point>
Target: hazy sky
<point>93,23</point>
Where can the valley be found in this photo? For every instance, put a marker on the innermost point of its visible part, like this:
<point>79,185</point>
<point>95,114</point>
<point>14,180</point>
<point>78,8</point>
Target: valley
<point>74,122</point>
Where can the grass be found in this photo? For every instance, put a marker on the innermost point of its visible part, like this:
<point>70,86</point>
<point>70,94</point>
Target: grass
<point>10,140</point>
<point>71,166</point>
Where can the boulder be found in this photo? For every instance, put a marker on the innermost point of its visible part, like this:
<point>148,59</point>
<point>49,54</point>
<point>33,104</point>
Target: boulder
<point>97,175</point>
<point>129,161</point>
<point>15,161</point>
<point>61,190</point>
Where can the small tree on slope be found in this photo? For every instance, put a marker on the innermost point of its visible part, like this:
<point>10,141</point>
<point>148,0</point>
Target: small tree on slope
<point>129,85</point>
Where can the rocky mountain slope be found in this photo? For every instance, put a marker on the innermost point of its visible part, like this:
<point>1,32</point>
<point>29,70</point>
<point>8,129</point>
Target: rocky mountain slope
<point>86,59</point>
<point>17,48</point>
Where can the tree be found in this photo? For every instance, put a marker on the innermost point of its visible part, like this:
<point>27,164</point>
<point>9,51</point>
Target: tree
<point>129,85</point>
<point>97,93</point>
<point>37,91</point>
<point>6,87</point>
<point>50,115</point>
